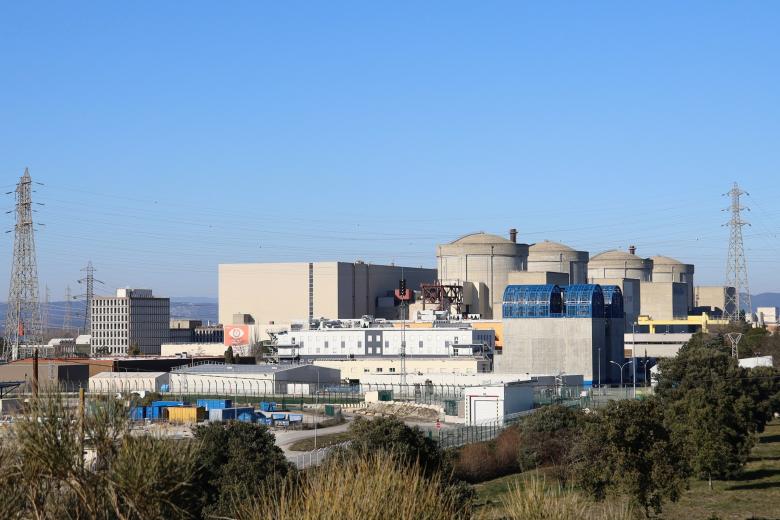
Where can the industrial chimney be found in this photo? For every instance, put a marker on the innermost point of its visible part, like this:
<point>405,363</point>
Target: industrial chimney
<point>632,250</point>
<point>513,235</point>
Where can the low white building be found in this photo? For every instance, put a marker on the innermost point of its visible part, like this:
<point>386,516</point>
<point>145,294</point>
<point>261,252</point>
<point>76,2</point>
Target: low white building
<point>364,368</point>
<point>352,339</point>
<point>494,402</point>
<point>251,379</point>
<point>654,345</point>
<point>194,349</point>
<point>767,316</point>
<point>754,362</point>
<point>113,382</point>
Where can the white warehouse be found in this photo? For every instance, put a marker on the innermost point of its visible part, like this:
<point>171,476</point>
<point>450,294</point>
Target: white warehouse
<point>345,340</point>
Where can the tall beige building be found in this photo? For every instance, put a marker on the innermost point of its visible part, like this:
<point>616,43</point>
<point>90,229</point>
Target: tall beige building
<point>274,295</point>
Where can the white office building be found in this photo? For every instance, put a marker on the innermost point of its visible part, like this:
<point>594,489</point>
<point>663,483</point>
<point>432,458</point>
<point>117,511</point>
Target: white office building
<point>132,317</point>
<point>345,339</point>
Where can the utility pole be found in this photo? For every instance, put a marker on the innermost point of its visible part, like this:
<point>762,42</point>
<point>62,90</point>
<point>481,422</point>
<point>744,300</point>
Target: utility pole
<point>89,281</point>
<point>736,266</point>
<point>23,327</point>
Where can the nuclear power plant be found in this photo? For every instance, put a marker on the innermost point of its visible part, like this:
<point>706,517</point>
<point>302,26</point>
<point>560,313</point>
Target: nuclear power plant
<point>550,308</point>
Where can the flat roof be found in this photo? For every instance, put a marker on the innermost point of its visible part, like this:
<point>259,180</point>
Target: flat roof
<point>210,368</point>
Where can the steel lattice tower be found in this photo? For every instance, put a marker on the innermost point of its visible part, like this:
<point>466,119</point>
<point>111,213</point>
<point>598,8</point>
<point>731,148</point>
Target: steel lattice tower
<point>23,316</point>
<point>89,282</point>
<point>736,266</point>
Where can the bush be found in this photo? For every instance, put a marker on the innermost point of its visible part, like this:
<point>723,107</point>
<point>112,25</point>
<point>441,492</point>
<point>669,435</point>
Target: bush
<point>376,486</point>
<point>547,437</point>
<point>627,450</point>
<point>236,458</point>
<point>132,478</point>
<point>392,435</point>
<point>488,460</point>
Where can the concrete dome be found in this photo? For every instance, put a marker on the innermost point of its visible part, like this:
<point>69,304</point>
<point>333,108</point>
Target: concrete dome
<point>481,238</point>
<point>481,262</point>
<point>554,257</point>
<point>667,269</point>
<point>665,260</point>
<point>620,264</point>
<point>548,245</point>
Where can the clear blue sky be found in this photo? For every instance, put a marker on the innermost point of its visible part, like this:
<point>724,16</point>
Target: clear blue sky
<point>173,136</point>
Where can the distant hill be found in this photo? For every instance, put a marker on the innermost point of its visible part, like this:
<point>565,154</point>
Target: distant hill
<point>195,308</point>
<point>770,299</point>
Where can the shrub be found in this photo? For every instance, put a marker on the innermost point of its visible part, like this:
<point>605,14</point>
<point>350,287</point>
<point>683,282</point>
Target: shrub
<point>488,460</point>
<point>392,435</point>
<point>546,439</point>
<point>235,459</point>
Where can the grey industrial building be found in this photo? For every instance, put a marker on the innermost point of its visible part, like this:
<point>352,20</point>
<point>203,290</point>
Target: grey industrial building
<point>132,317</point>
<point>576,329</point>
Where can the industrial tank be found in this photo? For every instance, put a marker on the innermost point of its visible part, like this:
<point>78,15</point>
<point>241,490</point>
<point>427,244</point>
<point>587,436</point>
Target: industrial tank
<point>667,269</point>
<point>620,264</point>
<point>558,258</point>
<point>481,262</point>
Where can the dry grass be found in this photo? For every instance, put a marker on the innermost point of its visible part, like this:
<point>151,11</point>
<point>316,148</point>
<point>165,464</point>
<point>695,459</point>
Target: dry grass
<point>532,499</point>
<point>376,487</point>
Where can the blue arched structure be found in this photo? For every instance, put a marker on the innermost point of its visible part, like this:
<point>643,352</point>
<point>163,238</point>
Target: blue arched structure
<point>613,301</point>
<point>533,301</point>
<point>583,301</point>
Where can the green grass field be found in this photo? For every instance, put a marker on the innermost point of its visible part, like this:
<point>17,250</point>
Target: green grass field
<point>755,495</point>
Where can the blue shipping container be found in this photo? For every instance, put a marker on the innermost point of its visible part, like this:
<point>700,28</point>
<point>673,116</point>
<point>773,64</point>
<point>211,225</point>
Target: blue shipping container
<point>137,413</point>
<point>167,403</point>
<point>148,412</point>
<point>267,407</point>
<point>295,417</point>
<point>213,404</point>
<point>278,416</point>
<point>266,420</point>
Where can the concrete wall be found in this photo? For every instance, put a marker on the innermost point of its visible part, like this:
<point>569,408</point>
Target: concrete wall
<point>631,289</point>
<point>555,345</point>
<point>276,295</point>
<point>664,300</point>
<point>364,369</point>
<point>50,371</point>
<point>713,296</point>
<point>537,278</point>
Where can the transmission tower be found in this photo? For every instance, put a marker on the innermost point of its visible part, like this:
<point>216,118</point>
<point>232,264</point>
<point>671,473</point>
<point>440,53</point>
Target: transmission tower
<point>23,315</point>
<point>68,309</point>
<point>736,266</point>
<point>89,281</point>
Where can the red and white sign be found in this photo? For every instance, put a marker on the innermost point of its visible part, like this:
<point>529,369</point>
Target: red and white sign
<point>236,335</point>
